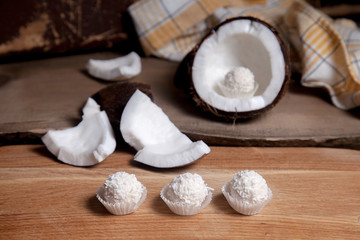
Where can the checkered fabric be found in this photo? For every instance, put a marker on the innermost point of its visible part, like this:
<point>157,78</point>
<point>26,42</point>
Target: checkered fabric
<point>329,50</point>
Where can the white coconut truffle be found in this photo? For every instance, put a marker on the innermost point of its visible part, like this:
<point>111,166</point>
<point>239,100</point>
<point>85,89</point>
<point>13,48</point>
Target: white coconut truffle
<point>238,83</point>
<point>122,193</point>
<point>188,189</point>
<point>187,194</point>
<point>240,79</point>
<point>122,187</point>
<point>250,186</point>
<point>247,192</point>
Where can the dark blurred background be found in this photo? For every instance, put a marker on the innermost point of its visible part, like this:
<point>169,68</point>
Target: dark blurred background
<point>35,29</point>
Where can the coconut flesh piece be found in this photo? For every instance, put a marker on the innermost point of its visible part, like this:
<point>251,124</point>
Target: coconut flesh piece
<point>89,143</point>
<point>120,68</point>
<point>240,43</point>
<point>158,141</point>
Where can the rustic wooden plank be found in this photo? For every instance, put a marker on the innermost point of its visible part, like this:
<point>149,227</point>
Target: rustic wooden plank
<point>56,27</point>
<point>315,198</point>
<point>48,94</point>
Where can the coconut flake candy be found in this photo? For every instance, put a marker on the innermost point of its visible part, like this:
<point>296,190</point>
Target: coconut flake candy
<point>186,194</point>
<point>158,141</point>
<point>121,193</point>
<point>247,192</point>
<point>238,83</point>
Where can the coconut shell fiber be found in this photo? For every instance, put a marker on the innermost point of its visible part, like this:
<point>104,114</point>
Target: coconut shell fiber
<point>327,50</point>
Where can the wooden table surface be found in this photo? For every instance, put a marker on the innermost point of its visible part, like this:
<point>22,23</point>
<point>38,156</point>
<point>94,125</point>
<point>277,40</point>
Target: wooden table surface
<point>316,196</point>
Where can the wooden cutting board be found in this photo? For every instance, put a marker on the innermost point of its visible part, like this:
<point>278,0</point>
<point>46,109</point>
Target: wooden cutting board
<point>39,95</point>
<point>316,196</point>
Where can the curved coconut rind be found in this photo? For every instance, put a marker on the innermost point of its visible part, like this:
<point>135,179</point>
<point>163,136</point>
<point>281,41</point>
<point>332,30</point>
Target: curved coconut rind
<point>120,68</point>
<point>159,143</point>
<point>191,153</point>
<point>143,123</point>
<point>87,144</point>
<point>183,77</point>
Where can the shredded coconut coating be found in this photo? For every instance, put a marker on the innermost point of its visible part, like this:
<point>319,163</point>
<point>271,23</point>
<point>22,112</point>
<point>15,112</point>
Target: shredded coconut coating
<point>250,187</point>
<point>187,188</point>
<point>240,79</point>
<point>122,187</point>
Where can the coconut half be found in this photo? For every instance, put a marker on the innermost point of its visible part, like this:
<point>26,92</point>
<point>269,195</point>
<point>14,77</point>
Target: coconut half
<point>238,70</point>
<point>158,141</point>
<point>120,68</point>
<point>89,143</point>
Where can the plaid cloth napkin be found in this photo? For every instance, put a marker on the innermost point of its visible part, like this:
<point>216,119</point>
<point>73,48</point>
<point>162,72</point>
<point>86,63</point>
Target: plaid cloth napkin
<point>328,50</point>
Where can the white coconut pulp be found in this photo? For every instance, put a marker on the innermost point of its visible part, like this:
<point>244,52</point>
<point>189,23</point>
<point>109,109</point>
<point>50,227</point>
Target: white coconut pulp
<point>89,143</point>
<point>120,68</point>
<point>239,43</point>
<point>158,141</point>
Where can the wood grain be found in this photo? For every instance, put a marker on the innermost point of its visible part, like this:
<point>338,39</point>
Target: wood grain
<point>316,196</point>
<point>51,27</point>
<point>36,96</point>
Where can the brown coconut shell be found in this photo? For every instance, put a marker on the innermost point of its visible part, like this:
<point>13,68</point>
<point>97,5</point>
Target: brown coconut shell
<point>184,80</point>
